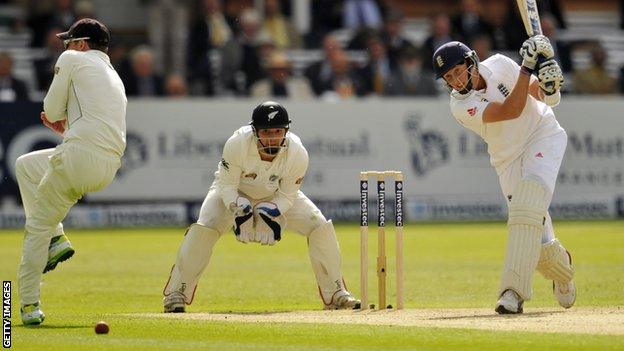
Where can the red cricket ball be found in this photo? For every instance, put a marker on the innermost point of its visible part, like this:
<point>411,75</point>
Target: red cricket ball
<point>101,328</point>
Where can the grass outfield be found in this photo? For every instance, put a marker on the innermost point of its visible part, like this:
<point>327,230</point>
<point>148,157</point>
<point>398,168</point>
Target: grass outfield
<point>118,276</point>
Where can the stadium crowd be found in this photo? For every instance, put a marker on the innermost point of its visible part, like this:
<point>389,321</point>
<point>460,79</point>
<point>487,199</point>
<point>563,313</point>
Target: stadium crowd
<point>352,48</point>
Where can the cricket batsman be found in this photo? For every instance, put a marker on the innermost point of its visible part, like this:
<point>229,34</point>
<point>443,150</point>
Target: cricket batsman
<point>512,111</point>
<point>86,104</point>
<point>256,193</point>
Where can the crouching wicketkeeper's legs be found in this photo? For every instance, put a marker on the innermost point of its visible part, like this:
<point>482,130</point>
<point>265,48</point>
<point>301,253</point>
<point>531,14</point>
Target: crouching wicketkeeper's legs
<point>305,218</point>
<point>194,253</point>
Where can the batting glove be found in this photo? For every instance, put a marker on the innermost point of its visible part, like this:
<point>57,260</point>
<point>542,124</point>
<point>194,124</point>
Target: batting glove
<point>533,48</point>
<point>550,77</point>
<point>268,226</point>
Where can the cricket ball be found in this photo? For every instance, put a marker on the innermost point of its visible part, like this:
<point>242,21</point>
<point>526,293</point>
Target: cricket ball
<point>101,328</point>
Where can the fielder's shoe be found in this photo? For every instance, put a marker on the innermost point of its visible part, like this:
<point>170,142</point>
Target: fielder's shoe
<point>343,300</point>
<point>174,303</point>
<point>509,303</point>
<point>60,250</point>
<point>565,292</point>
<point>32,314</point>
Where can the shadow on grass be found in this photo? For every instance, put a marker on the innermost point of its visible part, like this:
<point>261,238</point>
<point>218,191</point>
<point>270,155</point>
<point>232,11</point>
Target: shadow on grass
<point>534,314</point>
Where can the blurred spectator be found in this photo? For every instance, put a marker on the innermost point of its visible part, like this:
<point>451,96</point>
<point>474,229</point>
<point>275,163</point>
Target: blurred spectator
<point>391,35</point>
<point>409,80</point>
<point>440,34</point>
<point>249,67</point>
<point>377,71</point>
<point>482,45</point>
<point>175,86</point>
<point>283,33</point>
<point>61,14</point>
<point>44,66</point>
<point>326,17</point>
<point>344,82</point>
<point>595,79</point>
<point>552,7</point>
<point>361,13</point>
<point>280,83</point>
<point>321,73</point>
<point>210,29</point>
<point>469,23</point>
<point>167,26</point>
<point>514,27</point>
<point>562,49</point>
<point>142,80</point>
<point>11,89</point>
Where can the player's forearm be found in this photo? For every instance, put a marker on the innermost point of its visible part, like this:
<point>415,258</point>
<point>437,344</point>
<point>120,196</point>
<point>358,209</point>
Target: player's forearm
<point>515,102</point>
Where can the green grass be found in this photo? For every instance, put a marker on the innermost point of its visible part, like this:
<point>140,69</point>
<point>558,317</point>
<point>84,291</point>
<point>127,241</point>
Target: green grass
<point>116,272</point>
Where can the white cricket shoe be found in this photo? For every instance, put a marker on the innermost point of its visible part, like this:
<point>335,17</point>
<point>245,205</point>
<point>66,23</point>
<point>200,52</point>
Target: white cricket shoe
<point>343,300</point>
<point>60,250</point>
<point>32,314</point>
<point>174,303</point>
<point>509,303</point>
<point>565,293</point>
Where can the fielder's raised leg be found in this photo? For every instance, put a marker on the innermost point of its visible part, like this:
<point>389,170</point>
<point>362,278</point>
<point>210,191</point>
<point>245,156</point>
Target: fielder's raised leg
<point>256,194</point>
<point>511,110</point>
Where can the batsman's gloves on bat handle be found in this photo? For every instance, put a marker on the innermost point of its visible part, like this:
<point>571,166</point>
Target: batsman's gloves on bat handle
<point>550,77</point>
<point>534,48</point>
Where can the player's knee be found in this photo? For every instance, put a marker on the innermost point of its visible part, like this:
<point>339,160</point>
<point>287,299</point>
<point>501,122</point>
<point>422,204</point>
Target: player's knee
<point>529,202</point>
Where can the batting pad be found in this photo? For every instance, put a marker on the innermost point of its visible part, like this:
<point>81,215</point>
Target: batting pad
<point>554,262</point>
<point>193,257</point>
<point>527,212</point>
<point>325,257</point>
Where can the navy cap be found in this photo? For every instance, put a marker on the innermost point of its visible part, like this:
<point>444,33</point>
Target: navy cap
<point>87,28</point>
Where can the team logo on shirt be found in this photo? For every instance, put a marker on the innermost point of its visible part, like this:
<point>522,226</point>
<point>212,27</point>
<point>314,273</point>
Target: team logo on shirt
<point>539,155</point>
<point>503,90</point>
<point>56,69</point>
<point>225,164</point>
<point>251,175</point>
<point>472,111</point>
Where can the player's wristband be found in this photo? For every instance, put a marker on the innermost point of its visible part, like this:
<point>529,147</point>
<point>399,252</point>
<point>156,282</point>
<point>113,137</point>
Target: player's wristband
<point>526,70</point>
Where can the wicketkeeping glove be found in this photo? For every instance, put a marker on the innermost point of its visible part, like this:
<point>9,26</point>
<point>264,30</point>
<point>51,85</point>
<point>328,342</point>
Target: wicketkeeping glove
<point>268,226</point>
<point>533,48</point>
<point>243,220</point>
<point>550,77</point>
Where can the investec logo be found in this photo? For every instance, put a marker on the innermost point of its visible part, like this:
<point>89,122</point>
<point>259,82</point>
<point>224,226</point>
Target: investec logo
<point>6,314</point>
<point>364,203</point>
<point>399,204</point>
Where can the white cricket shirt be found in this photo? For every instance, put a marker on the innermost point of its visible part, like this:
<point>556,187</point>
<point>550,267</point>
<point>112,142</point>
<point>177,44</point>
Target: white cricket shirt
<point>89,93</point>
<point>242,170</point>
<point>506,140</point>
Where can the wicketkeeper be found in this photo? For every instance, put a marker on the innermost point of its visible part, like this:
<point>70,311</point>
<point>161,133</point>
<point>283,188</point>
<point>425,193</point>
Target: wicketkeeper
<point>511,110</point>
<point>256,194</point>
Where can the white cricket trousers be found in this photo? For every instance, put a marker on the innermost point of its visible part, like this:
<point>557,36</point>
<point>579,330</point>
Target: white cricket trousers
<point>51,181</point>
<point>541,160</point>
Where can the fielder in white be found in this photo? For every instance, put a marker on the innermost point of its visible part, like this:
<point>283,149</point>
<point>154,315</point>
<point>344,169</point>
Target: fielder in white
<point>86,104</point>
<point>511,110</point>
<point>256,193</point>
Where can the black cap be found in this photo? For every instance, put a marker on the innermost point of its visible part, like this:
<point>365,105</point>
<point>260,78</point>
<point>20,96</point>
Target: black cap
<point>87,28</point>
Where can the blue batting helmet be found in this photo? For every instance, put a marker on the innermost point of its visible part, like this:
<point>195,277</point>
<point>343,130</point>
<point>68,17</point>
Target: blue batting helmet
<point>451,54</point>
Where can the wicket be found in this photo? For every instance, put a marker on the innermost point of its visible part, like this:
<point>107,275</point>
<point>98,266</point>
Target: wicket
<point>381,236</point>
